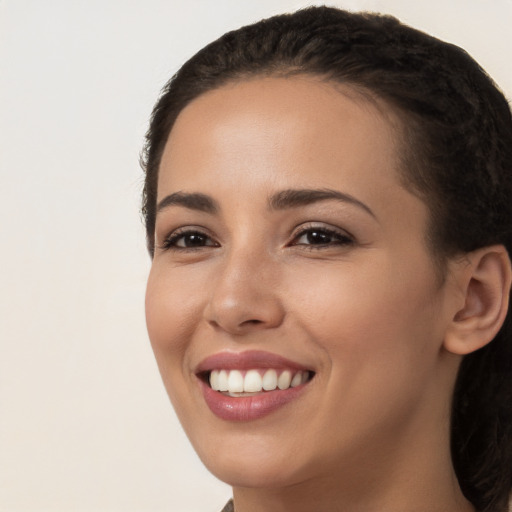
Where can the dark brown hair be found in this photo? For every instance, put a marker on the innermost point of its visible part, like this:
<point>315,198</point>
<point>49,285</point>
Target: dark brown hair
<point>456,155</point>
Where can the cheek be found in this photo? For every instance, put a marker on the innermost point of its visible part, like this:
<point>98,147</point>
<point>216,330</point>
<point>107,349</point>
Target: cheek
<point>172,309</point>
<point>369,313</point>
<point>376,329</point>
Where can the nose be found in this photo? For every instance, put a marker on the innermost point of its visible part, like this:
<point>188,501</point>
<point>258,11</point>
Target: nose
<point>245,295</point>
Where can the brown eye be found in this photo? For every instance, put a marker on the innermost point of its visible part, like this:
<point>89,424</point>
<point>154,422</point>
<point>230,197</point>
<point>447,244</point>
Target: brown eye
<point>192,240</point>
<point>188,240</point>
<point>321,237</point>
<point>318,237</point>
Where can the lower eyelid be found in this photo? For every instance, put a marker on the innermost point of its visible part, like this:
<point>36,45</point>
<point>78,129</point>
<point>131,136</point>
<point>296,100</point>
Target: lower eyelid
<point>329,245</point>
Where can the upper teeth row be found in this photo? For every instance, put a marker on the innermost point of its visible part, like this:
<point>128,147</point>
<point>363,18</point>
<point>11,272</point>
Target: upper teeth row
<point>233,381</point>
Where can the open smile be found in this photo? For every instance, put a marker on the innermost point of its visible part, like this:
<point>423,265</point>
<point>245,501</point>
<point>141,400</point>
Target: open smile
<point>250,385</point>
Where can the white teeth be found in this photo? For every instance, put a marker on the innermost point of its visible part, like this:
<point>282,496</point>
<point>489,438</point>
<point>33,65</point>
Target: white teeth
<point>284,380</point>
<point>297,379</point>
<point>270,380</point>
<point>252,381</point>
<point>234,383</point>
<point>214,380</point>
<point>223,380</point>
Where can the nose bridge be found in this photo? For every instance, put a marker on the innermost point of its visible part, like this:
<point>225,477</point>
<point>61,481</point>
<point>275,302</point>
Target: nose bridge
<point>246,292</point>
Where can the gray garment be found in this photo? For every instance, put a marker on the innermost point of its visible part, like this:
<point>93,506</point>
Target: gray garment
<point>229,507</point>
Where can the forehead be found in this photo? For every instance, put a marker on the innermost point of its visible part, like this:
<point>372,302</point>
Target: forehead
<point>279,128</point>
<point>294,124</point>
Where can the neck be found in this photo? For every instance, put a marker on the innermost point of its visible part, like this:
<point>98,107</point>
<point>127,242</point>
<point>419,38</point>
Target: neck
<point>304,498</point>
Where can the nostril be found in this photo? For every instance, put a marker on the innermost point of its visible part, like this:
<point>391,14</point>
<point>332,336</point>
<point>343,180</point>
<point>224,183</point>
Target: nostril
<point>239,316</point>
<point>245,323</point>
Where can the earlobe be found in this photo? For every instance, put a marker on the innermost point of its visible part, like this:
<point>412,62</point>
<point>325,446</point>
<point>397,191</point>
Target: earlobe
<point>485,279</point>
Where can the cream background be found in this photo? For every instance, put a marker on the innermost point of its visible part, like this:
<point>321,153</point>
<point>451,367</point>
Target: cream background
<point>85,424</point>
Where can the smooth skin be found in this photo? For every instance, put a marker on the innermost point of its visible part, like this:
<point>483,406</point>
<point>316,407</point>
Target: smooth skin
<point>346,287</point>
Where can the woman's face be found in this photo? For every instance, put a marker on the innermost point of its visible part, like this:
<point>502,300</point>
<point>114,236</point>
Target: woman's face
<point>287,248</point>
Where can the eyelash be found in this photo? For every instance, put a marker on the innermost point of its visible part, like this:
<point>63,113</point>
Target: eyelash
<point>170,243</point>
<point>338,238</point>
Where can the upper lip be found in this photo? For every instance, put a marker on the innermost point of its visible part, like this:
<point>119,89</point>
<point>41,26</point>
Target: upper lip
<point>247,360</point>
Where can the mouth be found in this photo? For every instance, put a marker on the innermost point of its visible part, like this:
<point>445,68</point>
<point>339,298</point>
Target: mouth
<point>238,383</point>
<point>249,385</point>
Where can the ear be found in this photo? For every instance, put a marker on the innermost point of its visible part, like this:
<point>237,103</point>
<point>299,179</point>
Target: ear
<point>484,279</point>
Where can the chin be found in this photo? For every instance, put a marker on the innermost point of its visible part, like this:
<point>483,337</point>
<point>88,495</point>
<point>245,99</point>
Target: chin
<point>253,465</point>
<point>255,474</point>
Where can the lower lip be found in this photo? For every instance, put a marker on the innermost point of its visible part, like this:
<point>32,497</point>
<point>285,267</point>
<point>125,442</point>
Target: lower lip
<point>248,408</point>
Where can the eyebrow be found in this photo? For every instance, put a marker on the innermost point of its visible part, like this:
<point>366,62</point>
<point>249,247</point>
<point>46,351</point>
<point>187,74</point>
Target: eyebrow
<point>293,198</point>
<point>283,200</point>
<point>192,201</point>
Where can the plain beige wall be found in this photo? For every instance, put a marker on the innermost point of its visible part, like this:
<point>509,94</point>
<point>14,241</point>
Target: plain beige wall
<point>85,424</point>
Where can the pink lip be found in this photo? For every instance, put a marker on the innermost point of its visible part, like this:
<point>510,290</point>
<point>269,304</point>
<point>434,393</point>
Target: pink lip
<point>251,407</point>
<point>246,360</point>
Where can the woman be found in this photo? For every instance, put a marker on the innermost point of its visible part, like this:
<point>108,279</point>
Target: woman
<point>327,204</point>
